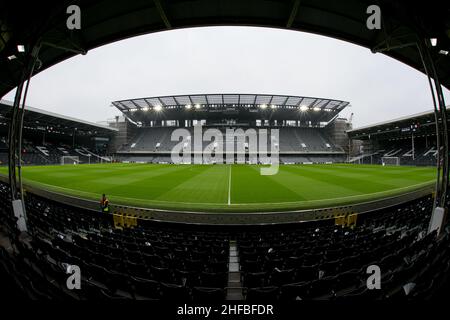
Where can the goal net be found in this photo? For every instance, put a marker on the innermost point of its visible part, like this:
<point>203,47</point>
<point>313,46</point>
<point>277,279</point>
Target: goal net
<point>70,160</point>
<point>390,161</point>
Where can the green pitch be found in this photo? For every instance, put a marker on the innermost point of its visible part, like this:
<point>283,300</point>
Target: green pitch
<point>229,187</point>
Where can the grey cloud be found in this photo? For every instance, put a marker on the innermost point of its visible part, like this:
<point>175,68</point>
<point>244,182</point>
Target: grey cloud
<point>232,59</point>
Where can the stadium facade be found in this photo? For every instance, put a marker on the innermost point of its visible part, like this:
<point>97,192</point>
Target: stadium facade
<point>48,137</point>
<point>309,130</point>
<point>411,139</point>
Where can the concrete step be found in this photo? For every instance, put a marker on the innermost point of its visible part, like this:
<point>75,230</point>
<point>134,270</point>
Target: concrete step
<point>234,290</point>
<point>233,267</point>
<point>234,276</point>
<point>234,294</point>
<point>235,284</point>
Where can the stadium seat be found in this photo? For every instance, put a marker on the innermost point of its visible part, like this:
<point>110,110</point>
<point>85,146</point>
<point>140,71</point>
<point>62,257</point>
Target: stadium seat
<point>280,277</point>
<point>262,294</point>
<point>145,289</point>
<point>208,294</point>
<point>162,274</point>
<point>255,279</point>
<point>213,279</point>
<point>173,292</point>
<point>322,288</point>
<point>348,281</point>
<point>295,291</point>
<point>306,273</point>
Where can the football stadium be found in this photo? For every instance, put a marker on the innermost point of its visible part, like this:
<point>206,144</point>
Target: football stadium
<point>218,196</point>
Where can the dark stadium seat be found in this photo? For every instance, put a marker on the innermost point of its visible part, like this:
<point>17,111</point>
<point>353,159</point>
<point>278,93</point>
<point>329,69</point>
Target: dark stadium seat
<point>255,279</point>
<point>213,279</point>
<point>162,274</point>
<point>186,278</point>
<point>307,273</point>
<point>360,294</point>
<point>92,291</point>
<point>294,262</point>
<point>173,292</point>
<point>208,294</point>
<point>349,281</point>
<point>280,277</point>
<point>322,288</point>
<point>145,289</point>
<point>330,267</point>
<point>304,262</point>
<point>250,266</point>
<point>295,291</point>
<point>138,269</point>
<point>262,294</point>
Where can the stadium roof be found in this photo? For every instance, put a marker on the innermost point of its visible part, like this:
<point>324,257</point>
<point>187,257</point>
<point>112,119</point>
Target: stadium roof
<point>403,24</point>
<point>40,117</point>
<point>424,121</point>
<point>234,105</point>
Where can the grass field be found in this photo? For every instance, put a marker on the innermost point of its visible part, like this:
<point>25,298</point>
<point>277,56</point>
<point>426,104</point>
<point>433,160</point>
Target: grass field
<point>228,187</point>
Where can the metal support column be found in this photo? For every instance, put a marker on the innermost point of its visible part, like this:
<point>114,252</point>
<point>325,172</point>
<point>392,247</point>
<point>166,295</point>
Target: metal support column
<point>15,128</point>
<point>15,135</point>
<point>423,45</point>
<point>440,113</point>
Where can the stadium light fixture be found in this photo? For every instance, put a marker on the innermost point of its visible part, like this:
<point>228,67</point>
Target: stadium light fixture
<point>316,109</point>
<point>273,106</point>
<point>157,108</point>
<point>303,108</point>
<point>145,109</point>
<point>433,42</point>
<point>12,57</point>
<point>197,106</point>
<point>188,106</point>
<point>263,106</point>
<point>20,48</point>
<point>444,52</point>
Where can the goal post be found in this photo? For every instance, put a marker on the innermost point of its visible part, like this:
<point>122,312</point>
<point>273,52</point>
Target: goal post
<point>70,160</point>
<point>390,161</point>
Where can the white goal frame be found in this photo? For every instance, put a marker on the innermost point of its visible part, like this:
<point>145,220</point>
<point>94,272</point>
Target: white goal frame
<point>65,160</point>
<point>390,161</point>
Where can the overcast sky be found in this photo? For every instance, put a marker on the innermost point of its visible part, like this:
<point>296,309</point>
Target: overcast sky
<point>231,60</point>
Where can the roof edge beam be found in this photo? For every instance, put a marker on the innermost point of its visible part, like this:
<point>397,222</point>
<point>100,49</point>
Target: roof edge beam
<point>293,13</point>
<point>162,14</point>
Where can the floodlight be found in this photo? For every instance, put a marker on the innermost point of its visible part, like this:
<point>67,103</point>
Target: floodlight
<point>316,109</point>
<point>444,52</point>
<point>20,48</point>
<point>12,57</point>
<point>145,109</point>
<point>273,106</point>
<point>303,108</point>
<point>197,106</point>
<point>188,106</point>
<point>263,106</point>
<point>433,42</point>
<point>157,108</point>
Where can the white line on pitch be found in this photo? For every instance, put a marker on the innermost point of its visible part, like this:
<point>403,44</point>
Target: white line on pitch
<point>229,186</point>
